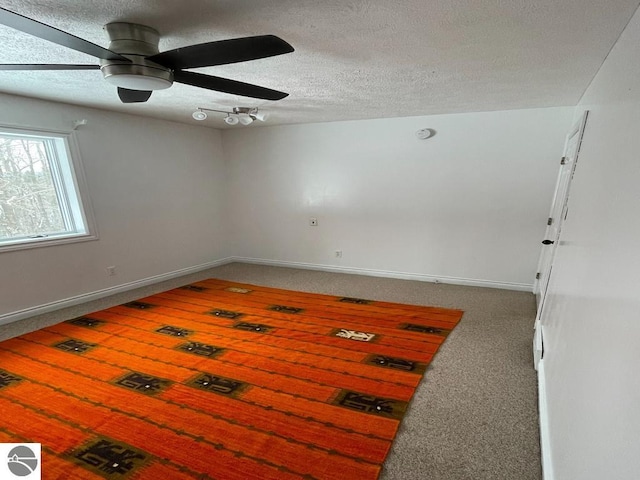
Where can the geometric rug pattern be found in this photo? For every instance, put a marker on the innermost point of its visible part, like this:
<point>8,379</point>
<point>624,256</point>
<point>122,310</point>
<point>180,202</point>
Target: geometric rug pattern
<point>220,380</point>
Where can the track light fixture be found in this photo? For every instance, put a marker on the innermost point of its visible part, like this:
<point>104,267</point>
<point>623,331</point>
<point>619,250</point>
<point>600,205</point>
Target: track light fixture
<point>238,115</point>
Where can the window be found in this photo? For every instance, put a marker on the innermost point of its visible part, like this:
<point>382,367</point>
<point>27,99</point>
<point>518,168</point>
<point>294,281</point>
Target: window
<point>40,200</point>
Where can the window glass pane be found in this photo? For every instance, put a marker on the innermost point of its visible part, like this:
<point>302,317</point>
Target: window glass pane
<point>39,191</point>
<point>29,203</point>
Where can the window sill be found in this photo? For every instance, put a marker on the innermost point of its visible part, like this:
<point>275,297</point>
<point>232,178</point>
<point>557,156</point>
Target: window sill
<point>46,242</point>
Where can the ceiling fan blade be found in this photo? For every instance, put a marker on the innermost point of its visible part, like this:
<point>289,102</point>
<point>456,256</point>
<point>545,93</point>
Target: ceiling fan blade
<point>46,66</point>
<point>133,96</point>
<point>223,52</point>
<point>227,86</point>
<point>52,34</point>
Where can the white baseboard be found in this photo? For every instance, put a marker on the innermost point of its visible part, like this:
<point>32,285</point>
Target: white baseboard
<point>524,287</point>
<point>87,297</point>
<point>545,443</point>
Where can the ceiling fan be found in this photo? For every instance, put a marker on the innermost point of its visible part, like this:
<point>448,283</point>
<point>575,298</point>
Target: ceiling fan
<point>135,65</point>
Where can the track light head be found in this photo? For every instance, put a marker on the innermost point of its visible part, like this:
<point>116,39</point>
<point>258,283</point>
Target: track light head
<point>245,119</point>
<point>231,119</point>
<point>259,115</point>
<point>199,115</point>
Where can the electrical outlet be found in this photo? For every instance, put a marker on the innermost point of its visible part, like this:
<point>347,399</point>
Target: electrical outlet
<point>313,221</point>
<point>111,271</point>
<point>338,253</point>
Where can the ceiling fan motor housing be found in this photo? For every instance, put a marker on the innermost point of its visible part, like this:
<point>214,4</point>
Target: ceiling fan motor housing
<point>136,42</point>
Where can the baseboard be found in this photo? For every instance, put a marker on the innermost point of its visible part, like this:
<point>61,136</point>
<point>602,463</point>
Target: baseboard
<point>545,444</point>
<point>524,287</point>
<point>87,297</point>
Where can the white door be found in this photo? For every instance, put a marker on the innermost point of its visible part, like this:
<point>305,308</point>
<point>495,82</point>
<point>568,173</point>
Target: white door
<point>554,224</point>
<point>558,209</point>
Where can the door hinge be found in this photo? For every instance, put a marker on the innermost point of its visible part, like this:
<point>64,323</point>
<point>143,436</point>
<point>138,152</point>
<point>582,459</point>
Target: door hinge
<point>538,276</point>
<point>549,221</point>
<point>563,160</point>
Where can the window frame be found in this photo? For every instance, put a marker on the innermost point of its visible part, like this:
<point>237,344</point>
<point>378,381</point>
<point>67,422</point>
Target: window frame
<point>70,187</point>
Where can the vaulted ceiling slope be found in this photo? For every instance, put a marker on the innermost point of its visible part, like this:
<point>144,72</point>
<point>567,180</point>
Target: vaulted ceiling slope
<point>353,59</point>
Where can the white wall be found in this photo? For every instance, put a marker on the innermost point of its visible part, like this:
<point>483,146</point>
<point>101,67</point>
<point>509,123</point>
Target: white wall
<point>157,190</point>
<point>591,321</point>
<point>468,204</point>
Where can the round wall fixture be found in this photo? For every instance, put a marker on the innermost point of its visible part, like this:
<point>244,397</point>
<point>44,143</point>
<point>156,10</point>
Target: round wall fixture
<point>425,133</point>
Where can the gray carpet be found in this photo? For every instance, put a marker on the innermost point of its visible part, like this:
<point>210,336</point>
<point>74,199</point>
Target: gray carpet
<point>474,415</point>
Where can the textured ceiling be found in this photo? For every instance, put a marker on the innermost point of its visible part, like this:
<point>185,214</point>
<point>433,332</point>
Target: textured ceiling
<point>353,59</point>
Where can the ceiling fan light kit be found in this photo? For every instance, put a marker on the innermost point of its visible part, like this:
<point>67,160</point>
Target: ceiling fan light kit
<point>135,65</point>
<point>136,42</point>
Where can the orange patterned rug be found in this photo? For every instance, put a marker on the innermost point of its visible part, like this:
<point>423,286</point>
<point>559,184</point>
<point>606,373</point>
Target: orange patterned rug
<point>219,380</point>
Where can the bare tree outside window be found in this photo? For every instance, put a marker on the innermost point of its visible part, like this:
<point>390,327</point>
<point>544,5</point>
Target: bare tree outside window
<point>28,201</point>
<point>38,191</point>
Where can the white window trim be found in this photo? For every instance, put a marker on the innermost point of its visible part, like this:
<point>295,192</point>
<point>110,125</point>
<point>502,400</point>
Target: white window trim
<point>79,183</point>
